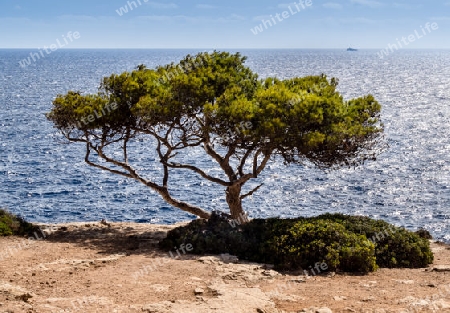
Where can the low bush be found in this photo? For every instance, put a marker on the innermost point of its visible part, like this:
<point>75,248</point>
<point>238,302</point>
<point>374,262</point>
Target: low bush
<point>344,243</point>
<point>395,247</point>
<point>14,225</point>
<point>308,242</point>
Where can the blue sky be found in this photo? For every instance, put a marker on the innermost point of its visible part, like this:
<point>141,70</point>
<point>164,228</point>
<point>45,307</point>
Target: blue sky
<point>371,24</point>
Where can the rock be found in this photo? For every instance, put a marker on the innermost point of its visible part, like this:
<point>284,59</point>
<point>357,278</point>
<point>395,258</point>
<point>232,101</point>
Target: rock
<point>283,297</point>
<point>227,258</point>
<point>408,299</point>
<point>339,298</point>
<point>24,297</point>
<point>369,284</point>
<point>421,302</point>
<point>406,282</point>
<point>157,308</point>
<point>216,292</point>
<point>368,299</point>
<point>442,304</point>
<point>298,281</point>
<point>324,310</point>
<point>316,310</point>
<point>349,310</point>
<point>270,273</point>
<point>441,268</point>
<point>198,291</point>
<point>208,260</point>
<point>267,310</point>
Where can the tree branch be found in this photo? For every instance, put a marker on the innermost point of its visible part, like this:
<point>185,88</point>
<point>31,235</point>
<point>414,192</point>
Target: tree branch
<point>251,192</point>
<point>86,159</point>
<point>263,164</point>
<point>224,163</point>
<point>162,190</point>
<point>200,172</point>
<point>243,161</point>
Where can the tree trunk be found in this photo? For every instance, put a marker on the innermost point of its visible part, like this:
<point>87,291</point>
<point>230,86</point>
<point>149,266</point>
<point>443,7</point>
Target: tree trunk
<point>235,203</point>
<point>183,205</point>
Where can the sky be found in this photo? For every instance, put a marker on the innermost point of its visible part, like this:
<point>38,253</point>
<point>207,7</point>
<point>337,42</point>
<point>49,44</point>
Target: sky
<point>305,24</point>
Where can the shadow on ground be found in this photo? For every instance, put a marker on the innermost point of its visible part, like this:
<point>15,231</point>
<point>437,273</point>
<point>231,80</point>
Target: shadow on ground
<point>111,238</point>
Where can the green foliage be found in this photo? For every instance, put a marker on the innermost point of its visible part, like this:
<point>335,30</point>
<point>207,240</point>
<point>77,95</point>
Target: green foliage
<point>306,243</point>
<point>339,240</point>
<point>395,246</point>
<point>300,118</point>
<point>13,225</point>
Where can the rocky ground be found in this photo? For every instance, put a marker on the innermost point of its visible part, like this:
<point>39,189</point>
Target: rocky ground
<point>101,267</point>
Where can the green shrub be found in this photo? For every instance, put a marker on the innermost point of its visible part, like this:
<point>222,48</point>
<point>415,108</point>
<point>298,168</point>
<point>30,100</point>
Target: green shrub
<point>13,225</point>
<point>306,243</point>
<point>345,243</point>
<point>395,247</point>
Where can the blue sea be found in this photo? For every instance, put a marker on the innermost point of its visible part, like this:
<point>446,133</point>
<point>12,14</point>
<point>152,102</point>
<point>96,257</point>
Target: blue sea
<point>44,179</point>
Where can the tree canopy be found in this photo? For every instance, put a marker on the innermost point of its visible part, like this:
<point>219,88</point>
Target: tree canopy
<point>214,102</point>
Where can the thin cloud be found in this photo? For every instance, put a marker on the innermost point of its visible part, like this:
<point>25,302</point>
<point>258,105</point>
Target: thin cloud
<point>285,5</point>
<point>347,21</point>
<point>78,18</point>
<point>292,5</point>
<point>358,20</point>
<point>191,19</point>
<point>160,5</point>
<point>261,17</point>
<point>205,6</point>
<point>332,5</point>
<point>369,3</point>
<point>406,6</point>
<point>441,18</point>
<point>231,18</point>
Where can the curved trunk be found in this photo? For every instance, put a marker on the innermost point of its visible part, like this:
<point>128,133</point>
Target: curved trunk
<point>183,205</point>
<point>233,196</point>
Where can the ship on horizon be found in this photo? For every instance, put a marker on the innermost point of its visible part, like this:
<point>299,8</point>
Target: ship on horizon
<point>352,49</point>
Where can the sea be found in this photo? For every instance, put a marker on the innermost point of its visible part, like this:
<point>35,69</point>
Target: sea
<point>44,179</point>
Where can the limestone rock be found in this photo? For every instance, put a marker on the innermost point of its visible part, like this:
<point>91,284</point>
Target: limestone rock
<point>198,291</point>
<point>227,258</point>
<point>316,310</point>
<point>441,268</point>
<point>339,298</point>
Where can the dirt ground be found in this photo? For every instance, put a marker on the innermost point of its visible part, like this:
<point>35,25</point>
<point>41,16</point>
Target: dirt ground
<point>95,267</point>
